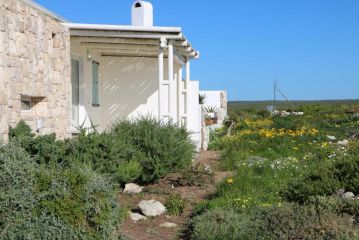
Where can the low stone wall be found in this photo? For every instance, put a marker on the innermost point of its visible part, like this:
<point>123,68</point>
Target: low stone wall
<point>35,63</point>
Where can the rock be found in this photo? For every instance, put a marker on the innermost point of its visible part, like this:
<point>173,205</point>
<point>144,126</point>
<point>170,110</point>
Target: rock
<point>168,225</point>
<point>132,188</point>
<point>285,114</point>
<point>152,208</point>
<point>331,138</point>
<point>340,192</point>
<point>348,195</point>
<point>343,143</point>
<point>136,216</point>
<point>208,169</point>
<point>354,135</point>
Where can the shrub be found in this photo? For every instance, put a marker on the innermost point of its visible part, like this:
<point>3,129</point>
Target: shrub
<point>52,201</point>
<point>324,179</point>
<point>143,150</point>
<point>80,197</point>
<point>22,134</point>
<point>17,178</point>
<point>292,221</point>
<point>43,226</point>
<point>129,171</point>
<point>222,224</point>
<point>289,221</point>
<point>175,204</point>
<point>165,148</point>
<point>317,182</point>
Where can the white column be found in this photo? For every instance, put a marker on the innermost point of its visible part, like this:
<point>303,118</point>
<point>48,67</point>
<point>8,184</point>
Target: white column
<point>187,91</point>
<point>160,82</point>
<point>171,94</point>
<point>179,96</point>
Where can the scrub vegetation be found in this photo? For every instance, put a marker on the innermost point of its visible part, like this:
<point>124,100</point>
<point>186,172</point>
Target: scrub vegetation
<point>66,189</point>
<point>294,177</point>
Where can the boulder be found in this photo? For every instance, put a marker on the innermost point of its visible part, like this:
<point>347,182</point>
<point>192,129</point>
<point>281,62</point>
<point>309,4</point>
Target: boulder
<point>285,114</point>
<point>168,225</point>
<point>348,195</point>
<point>343,143</point>
<point>131,188</point>
<point>136,216</point>
<point>340,192</point>
<point>331,138</point>
<point>152,208</point>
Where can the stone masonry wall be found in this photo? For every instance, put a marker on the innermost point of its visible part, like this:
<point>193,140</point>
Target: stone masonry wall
<point>34,62</point>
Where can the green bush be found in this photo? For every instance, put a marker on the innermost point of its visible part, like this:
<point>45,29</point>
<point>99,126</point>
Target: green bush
<point>325,178</point>
<point>318,181</point>
<point>289,221</point>
<point>164,147</point>
<point>143,150</point>
<point>17,179</point>
<point>175,204</point>
<point>222,224</point>
<point>304,222</point>
<point>129,171</point>
<point>80,197</point>
<point>22,134</point>
<point>52,201</point>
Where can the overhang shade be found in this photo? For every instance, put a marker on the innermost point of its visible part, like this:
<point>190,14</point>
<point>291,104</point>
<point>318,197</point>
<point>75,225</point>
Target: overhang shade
<point>132,40</point>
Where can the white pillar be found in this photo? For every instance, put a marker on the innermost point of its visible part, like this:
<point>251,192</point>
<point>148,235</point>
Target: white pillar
<point>172,93</point>
<point>187,91</point>
<point>179,96</point>
<point>160,82</point>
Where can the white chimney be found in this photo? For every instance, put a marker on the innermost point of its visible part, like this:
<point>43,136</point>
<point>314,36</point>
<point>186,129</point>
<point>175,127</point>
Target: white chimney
<point>142,14</point>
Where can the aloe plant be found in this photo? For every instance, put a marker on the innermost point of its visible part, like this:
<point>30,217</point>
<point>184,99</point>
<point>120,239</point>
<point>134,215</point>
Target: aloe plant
<point>210,109</point>
<point>202,98</point>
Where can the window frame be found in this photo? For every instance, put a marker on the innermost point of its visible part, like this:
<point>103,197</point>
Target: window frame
<point>26,99</point>
<point>95,91</point>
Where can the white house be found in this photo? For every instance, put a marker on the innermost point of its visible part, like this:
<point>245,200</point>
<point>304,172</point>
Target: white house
<point>99,73</point>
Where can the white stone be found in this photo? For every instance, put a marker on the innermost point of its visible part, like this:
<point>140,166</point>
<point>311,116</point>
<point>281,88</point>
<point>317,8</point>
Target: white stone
<point>168,225</point>
<point>152,208</point>
<point>285,114</point>
<point>343,143</point>
<point>136,216</point>
<point>332,138</point>
<point>131,188</point>
<point>348,195</point>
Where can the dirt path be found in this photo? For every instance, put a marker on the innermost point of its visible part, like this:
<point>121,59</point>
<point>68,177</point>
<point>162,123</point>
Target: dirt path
<point>194,189</point>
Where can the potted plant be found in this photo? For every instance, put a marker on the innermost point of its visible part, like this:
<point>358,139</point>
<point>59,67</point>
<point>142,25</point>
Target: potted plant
<point>211,115</point>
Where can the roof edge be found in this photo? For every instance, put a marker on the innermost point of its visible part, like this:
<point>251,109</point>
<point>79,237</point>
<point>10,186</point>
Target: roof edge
<point>45,11</point>
<point>105,27</point>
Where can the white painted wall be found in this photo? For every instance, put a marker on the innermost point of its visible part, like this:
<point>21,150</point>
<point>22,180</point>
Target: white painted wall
<point>213,98</point>
<point>194,124</point>
<point>128,87</point>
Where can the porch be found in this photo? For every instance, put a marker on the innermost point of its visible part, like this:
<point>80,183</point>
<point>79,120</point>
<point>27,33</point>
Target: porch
<point>123,72</point>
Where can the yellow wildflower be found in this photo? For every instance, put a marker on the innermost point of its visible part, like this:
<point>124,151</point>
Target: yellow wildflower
<point>230,180</point>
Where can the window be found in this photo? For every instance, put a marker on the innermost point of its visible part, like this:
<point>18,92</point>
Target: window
<point>95,84</point>
<point>26,103</point>
<point>75,83</point>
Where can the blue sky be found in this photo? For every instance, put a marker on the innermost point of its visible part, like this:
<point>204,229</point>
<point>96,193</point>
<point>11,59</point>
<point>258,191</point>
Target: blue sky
<point>310,47</point>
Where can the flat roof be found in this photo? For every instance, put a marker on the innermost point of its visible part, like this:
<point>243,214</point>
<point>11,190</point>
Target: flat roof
<point>105,27</point>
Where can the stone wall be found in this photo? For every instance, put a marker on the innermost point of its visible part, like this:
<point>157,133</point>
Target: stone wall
<point>35,63</point>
